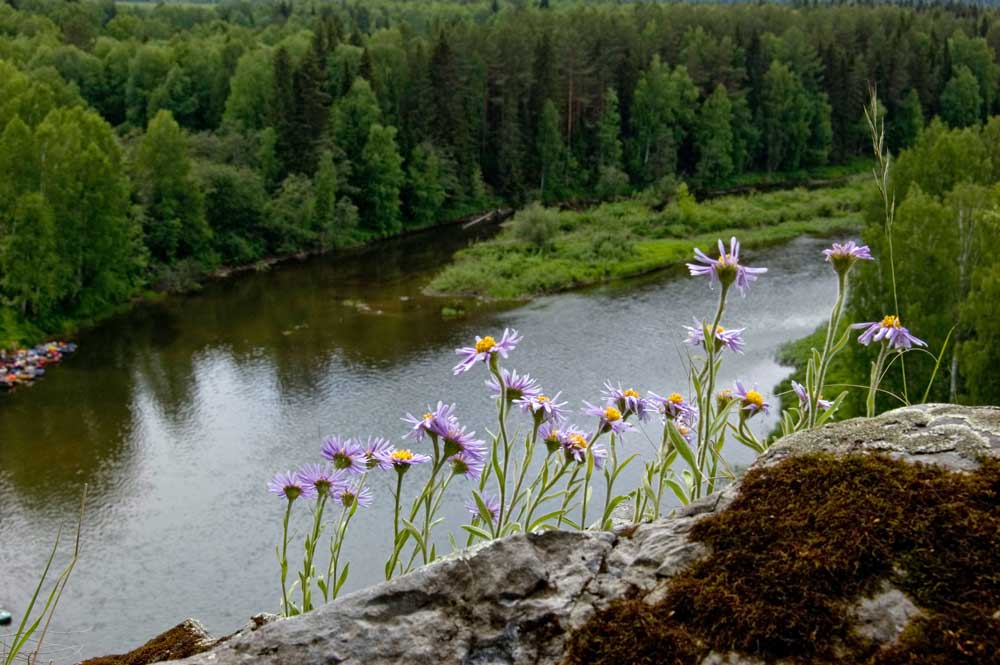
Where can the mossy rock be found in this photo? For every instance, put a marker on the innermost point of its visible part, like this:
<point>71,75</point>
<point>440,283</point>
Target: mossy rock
<point>838,546</point>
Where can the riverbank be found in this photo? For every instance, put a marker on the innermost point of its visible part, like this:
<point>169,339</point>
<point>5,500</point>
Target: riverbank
<point>16,331</point>
<point>544,250</point>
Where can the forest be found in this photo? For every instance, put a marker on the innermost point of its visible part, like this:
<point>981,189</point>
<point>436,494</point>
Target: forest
<point>143,147</point>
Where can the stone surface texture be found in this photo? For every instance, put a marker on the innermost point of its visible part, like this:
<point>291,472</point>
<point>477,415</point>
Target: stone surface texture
<point>515,600</point>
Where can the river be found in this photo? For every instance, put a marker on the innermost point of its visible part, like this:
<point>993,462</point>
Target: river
<point>176,414</point>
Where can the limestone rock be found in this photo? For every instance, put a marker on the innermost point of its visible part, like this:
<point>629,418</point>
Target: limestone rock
<point>517,599</point>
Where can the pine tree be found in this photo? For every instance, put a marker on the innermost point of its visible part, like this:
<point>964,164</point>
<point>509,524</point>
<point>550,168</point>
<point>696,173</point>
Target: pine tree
<point>551,155</point>
<point>311,111</point>
<point>284,110</point>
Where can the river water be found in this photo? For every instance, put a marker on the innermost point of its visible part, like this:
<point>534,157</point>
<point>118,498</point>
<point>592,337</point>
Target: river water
<point>176,414</point>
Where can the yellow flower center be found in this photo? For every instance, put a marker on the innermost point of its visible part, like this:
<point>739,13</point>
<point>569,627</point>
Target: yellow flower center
<point>891,321</point>
<point>611,414</point>
<point>553,436</point>
<point>675,398</point>
<point>428,416</point>
<point>401,455</point>
<point>630,393</point>
<point>755,398</point>
<point>543,398</point>
<point>485,345</point>
<point>683,430</point>
<point>577,441</point>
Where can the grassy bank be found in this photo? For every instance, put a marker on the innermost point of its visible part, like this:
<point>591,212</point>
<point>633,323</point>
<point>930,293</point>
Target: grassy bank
<point>544,250</point>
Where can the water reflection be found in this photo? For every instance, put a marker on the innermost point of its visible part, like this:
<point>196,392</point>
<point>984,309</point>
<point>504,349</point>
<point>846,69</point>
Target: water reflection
<point>177,413</point>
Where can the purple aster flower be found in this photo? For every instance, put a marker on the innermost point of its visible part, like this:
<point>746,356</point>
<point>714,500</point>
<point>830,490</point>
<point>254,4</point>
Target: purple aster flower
<point>457,440</point>
<point>610,416</point>
<point>518,386</point>
<point>543,407</point>
<point>432,422</point>
<point>686,432</point>
<point>890,329</point>
<point>492,506</point>
<point>402,459</point>
<point>375,451</point>
<point>468,465</point>
<point>843,256</point>
<point>576,445</point>
<point>349,495</point>
<point>323,478</point>
<point>731,339</point>
<point>675,407</point>
<point>726,269</point>
<point>751,401</point>
<point>803,395</point>
<point>486,349</point>
<point>290,486</point>
<point>554,435</point>
<point>629,402</point>
<point>345,453</point>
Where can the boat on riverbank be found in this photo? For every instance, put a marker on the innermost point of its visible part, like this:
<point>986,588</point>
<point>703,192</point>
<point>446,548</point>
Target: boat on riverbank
<point>24,366</point>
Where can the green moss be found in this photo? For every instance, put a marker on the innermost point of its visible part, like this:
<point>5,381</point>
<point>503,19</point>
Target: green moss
<point>806,540</point>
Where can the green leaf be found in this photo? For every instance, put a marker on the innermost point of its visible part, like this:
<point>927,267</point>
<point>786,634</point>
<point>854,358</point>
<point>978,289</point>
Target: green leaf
<point>342,579</point>
<point>539,522</point>
<point>477,532</point>
<point>484,512</point>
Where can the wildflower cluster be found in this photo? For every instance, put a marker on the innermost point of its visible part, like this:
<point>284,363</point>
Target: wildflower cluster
<point>536,469</point>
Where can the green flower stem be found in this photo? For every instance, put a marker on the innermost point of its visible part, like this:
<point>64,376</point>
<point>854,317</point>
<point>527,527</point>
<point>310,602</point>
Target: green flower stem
<point>502,476</point>
<point>529,452</point>
<point>545,488</point>
<point>819,381</point>
<point>610,474</point>
<point>875,380</point>
<point>708,393</point>
<point>307,563</point>
<point>283,559</point>
<point>391,564</point>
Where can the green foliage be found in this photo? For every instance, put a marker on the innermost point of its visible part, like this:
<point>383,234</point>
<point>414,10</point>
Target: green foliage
<point>635,101</point>
<point>175,219</point>
<point>945,236</point>
<point>427,185</point>
<point>715,137</point>
<point>663,115</point>
<point>785,117</point>
<point>629,238</point>
<point>551,155</point>
<point>961,103</point>
<point>382,168</point>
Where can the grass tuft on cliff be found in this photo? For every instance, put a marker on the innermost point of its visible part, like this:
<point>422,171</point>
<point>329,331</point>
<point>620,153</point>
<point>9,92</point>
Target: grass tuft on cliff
<point>544,250</point>
<point>803,542</point>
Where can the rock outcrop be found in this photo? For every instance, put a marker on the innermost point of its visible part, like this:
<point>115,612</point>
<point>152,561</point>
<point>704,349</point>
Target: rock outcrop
<point>518,599</point>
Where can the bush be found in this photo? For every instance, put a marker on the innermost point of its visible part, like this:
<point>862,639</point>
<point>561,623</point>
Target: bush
<point>536,225</point>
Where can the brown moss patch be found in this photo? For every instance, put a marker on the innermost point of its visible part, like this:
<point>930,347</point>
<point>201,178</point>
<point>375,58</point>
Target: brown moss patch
<point>803,542</point>
<point>183,640</point>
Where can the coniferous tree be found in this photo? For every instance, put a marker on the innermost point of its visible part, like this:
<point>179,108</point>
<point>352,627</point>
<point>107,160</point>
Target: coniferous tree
<point>283,109</point>
<point>311,110</point>
<point>551,155</point>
